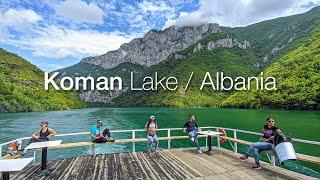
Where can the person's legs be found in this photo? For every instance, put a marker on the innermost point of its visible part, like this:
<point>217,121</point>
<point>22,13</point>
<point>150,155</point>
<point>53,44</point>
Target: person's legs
<point>150,140</point>
<point>258,147</point>
<point>194,137</point>
<point>106,132</point>
<point>156,140</point>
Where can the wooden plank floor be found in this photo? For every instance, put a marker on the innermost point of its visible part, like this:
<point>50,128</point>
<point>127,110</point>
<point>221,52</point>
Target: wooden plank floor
<point>167,164</point>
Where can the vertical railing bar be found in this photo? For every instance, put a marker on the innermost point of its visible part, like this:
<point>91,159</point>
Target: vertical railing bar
<point>235,143</point>
<point>34,156</point>
<point>218,138</point>
<point>169,140</point>
<point>273,160</point>
<point>133,143</point>
<point>1,151</point>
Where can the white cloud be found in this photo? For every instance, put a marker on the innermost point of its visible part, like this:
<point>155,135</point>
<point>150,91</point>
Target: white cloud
<point>18,19</point>
<point>239,12</point>
<point>78,11</point>
<point>57,42</point>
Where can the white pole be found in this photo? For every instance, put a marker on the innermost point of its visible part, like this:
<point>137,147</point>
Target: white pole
<point>218,139</point>
<point>169,140</point>
<point>34,157</point>
<point>1,151</point>
<point>133,143</point>
<point>235,143</point>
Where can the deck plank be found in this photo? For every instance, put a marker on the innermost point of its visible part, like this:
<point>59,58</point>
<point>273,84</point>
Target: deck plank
<point>166,164</point>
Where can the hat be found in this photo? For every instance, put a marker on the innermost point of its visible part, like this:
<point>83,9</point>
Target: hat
<point>152,117</point>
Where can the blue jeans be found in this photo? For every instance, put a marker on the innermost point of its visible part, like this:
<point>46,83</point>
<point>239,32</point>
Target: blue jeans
<point>255,147</point>
<point>194,134</point>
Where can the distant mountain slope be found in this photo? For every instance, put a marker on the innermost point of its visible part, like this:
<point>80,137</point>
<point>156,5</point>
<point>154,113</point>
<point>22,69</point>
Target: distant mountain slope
<point>217,53</point>
<point>298,78</point>
<point>240,51</point>
<point>153,47</point>
<point>22,88</point>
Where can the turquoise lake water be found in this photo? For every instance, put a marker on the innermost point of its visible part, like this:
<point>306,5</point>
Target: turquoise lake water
<point>297,124</point>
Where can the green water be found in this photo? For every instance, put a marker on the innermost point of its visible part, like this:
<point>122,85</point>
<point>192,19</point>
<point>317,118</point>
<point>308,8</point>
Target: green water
<point>297,124</point>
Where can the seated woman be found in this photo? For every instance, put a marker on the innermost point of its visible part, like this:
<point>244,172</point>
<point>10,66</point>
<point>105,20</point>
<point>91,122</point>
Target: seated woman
<point>152,137</point>
<point>100,137</point>
<point>265,143</point>
<point>192,127</point>
<point>44,134</point>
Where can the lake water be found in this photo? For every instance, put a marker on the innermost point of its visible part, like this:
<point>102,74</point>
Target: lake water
<point>297,124</point>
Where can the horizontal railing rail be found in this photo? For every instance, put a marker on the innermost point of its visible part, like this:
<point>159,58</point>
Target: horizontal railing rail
<point>233,139</point>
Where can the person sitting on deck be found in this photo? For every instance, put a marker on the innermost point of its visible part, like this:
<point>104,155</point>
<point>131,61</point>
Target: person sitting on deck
<point>265,143</point>
<point>192,127</point>
<point>100,137</point>
<point>14,148</point>
<point>152,126</point>
<point>44,134</point>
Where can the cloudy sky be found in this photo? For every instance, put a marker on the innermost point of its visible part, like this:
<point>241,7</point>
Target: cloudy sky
<point>55,34</point>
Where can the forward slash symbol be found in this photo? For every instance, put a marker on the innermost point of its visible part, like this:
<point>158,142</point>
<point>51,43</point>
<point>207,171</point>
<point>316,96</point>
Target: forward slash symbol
<point>188,81</point>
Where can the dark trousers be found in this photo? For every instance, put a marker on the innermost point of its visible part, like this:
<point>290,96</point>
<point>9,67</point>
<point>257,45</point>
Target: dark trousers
<point>105,133</point>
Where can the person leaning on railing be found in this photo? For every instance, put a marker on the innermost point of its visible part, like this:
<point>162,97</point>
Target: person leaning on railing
<point>192,128</point>
<point>152,126</point>
<point>265,143</point>
<point>44,134</point>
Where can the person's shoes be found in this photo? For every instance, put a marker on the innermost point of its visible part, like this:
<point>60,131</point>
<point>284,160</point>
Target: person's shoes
<point>200,151</point>
<point>244,157</point>
<point>256,166</point>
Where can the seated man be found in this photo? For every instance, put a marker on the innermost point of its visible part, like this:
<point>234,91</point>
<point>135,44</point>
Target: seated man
<point>44,134</point>
<point>100,137</point>
<point>192,127</point>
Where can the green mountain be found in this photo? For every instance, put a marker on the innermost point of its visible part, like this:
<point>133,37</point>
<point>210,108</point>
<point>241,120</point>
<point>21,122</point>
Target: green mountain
<point>22,88</point>
<point>270,42</point>
<point>298,77</point>
<point>241,51</point>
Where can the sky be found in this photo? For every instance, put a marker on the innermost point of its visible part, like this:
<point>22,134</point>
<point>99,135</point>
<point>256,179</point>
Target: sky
<point>56,34</point>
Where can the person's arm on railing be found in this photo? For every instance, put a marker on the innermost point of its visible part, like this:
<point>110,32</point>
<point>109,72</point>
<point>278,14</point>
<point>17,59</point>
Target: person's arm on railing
<point>52,133</point>
<point>36,134</point>
<point>185,127</point>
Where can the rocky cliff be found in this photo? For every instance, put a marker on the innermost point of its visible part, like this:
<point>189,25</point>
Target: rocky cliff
<point>154,47</point>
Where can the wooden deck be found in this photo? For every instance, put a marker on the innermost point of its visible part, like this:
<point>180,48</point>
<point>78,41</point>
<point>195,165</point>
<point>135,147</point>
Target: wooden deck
<point>167,164</point>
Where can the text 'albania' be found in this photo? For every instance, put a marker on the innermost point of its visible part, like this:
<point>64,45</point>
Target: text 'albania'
<point>218,81</point>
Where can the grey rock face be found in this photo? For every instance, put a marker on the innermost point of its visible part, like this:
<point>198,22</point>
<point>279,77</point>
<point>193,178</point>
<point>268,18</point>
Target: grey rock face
<point>101,97</point>
<point>154,47</point>
<point>225,42</point>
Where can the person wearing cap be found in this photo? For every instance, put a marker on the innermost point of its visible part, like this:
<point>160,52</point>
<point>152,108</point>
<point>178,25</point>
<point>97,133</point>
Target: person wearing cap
<point>192,128</point>
<point>44,134</point>
<point>100,137</point>
<point>152,126</point>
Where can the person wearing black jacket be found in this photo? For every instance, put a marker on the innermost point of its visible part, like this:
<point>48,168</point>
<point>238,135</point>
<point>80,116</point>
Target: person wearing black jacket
<point>192,128</point>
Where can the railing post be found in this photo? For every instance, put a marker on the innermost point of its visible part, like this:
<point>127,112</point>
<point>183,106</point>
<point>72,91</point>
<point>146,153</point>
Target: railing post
<point>169,140</point>
<point>133,143</point>
<point>34,156</point>
<point>93,149</point>
<point>235,143</point>
<point>273,160</point>
<point>218,139</point>
<point>0,151</point>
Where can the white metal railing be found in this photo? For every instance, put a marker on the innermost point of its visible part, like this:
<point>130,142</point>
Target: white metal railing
<point>234,145</point>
